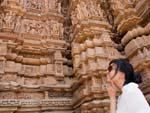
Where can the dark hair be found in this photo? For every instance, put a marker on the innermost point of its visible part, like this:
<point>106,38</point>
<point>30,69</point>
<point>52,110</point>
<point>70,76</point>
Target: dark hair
<point>124,66</point>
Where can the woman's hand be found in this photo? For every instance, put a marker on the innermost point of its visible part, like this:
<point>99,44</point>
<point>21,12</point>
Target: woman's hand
<point>111,91</point>
<point>112,94</point>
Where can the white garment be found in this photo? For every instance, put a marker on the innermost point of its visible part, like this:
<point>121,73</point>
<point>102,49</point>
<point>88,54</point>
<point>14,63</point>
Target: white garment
<point>132,100</point>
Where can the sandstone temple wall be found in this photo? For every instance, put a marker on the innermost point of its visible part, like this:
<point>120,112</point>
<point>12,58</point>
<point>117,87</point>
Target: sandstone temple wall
<point>54,53</point>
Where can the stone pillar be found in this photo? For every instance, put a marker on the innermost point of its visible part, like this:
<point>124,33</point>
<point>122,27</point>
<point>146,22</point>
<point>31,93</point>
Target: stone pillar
<point>31,60</point>
<point>92,49</point>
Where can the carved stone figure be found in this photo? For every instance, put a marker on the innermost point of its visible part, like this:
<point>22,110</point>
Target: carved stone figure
<point>1,20</point>
<point>43,53</point>
<point>58,68</point>
<point>55,30</point>
<point>59,7</point>
<point>18,24</point>
<point>82,11</point>
<point>9,19</point>
<point>52,4</point>
<point>40,28</point>
<point>99,11</point>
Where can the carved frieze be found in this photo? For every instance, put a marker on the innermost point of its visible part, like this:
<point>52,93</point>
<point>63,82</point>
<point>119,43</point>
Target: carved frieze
<point>8,95</point>
<point>8,21</point>
<point>34,5</point>
<point>54,6</point>
<point>36,70</point>
<point>59,95</point>
<point>33,27</point>
<point>35,96</point>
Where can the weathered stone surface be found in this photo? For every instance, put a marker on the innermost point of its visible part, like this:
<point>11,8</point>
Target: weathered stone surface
<point>54,53</point>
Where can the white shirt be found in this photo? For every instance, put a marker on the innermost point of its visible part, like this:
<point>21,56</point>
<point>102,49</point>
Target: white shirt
<point>132,100</point>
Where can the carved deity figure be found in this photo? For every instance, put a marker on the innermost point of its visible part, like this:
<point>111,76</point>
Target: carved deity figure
<point>9,19</point>
<point>99,10</point>
<point>40,28</point>
<point>39,5</point>
<point>82,11</point>
<point>79,13</point>
<point>32,29</point>
<point>55,28</point>
<point>18,24</point>
<point>1,20</point>
<point>27,3</point>
<point>47,28</point>
<point>59,7</point>
<point>58,68</point>
<point>52,4</point>
<point>34,4</point>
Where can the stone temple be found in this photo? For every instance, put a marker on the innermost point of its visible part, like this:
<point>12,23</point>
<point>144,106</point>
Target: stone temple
<point>54,53</point>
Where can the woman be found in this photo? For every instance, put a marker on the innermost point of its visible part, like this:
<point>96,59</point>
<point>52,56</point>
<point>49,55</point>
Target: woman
<point>121,77</point>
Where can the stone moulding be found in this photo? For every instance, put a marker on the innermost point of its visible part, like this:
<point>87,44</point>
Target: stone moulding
<point>5,86</point>
<point>11,37</point>
<point>94,27</point>
<point>139,31</point>
<point>136,44</point>
<point>142,7</point>
<point>128,24</point>
<point>42,104</point>
<point>47,102</point>
<point>54,54</point>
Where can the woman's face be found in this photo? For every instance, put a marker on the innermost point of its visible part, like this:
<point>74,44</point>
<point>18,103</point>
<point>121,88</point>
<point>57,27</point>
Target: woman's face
<point>114,77</point>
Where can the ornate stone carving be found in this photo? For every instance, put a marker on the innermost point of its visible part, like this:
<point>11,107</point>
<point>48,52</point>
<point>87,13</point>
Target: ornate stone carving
<point>34,27</point>
<point>18,25</point>
<point>1,20</point>
<point>50,80</point>
<point>41,72</point>
<point>52,4</point>
<point>2,65</point>
<point>34,5</point>
<point>48,28</point>
<point>8,95</point>
<point>59,95</point>
<point>36,96</point>
<point>94,9</point>
<point>9,21</point>
<point>56,29</point>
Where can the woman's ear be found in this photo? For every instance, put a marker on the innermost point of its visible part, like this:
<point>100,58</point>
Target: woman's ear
<point>121,76</point>
<point>121,79</point>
